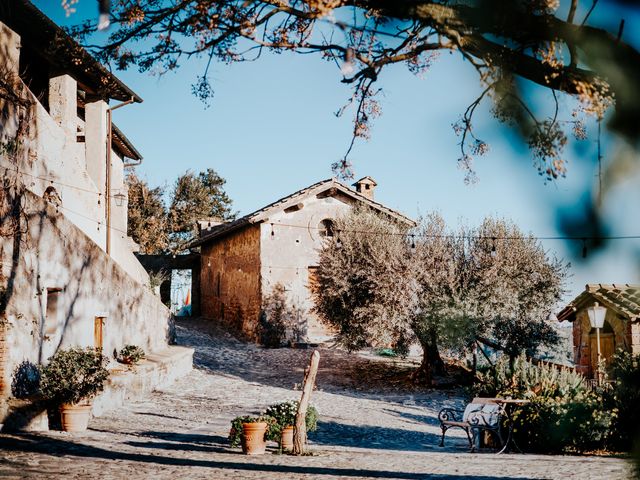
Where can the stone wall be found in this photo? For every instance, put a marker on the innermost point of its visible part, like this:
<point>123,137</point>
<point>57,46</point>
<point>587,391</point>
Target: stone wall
<point>230,280</point>
<point>634,337</point>
<point>581,338</point>
<point>56,282</point>
<point>4,354</point>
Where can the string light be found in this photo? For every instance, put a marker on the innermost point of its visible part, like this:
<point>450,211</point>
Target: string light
<point>338,241</point>
<point>463,237</point>
<point>20,173</point>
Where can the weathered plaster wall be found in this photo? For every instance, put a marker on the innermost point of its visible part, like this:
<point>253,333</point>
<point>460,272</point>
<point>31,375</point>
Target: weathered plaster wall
<point>55,254</point>
<point>230,280</point>
<point>293,248</point>
<point>55,158</point>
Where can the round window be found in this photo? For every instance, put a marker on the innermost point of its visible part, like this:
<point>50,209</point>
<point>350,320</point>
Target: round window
<point>326,228</point>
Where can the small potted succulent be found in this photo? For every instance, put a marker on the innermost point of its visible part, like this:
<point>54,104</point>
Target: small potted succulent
<point>70,381</point>
<point>252,433</point>
<point>131,355</point>
<point>284,414</point>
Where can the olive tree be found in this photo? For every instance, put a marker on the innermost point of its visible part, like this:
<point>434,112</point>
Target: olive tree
<point>442,317</point>
<point>365,287</point>
<point>516,286</point>
<point>382,285</point>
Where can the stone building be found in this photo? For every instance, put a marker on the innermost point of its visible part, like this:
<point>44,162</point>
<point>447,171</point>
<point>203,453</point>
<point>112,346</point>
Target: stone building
<point>621,327</point>
<point>242,261</point>
<point>68,273</point>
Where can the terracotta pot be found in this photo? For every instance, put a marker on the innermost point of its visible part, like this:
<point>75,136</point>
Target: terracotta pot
<point>286,441</point>
<point>253,442</point>
<point>75,416</point>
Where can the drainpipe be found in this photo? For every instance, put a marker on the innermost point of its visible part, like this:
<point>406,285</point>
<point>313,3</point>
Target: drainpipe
<point>108,176</point>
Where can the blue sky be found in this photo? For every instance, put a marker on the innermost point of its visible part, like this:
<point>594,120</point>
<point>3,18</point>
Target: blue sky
<point>271,130</point>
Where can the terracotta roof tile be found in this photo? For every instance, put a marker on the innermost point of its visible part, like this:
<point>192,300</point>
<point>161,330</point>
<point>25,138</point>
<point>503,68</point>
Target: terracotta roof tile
<point>261,214</point>
<point>622,298</point>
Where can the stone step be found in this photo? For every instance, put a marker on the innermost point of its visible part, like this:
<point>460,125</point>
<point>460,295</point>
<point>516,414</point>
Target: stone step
<point>125,383</point>
<point>159,369</point>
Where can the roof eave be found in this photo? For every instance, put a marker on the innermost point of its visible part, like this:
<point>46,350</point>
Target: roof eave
<point>62,51</point>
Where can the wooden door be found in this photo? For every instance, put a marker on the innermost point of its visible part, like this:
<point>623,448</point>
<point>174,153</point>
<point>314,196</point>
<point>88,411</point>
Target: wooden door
<point>98,332</point>
<point>607,347</point>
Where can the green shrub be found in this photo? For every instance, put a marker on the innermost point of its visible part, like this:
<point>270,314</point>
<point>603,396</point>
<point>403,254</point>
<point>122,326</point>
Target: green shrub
<point>73,375</point>
<point>625,398</point>
<point>237,432</point>
<point>131,354</point>
<point>563,414</point>
<point>285,414</point>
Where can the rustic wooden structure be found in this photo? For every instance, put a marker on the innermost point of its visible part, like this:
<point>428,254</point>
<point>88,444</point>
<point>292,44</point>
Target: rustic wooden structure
<point>621,327</point>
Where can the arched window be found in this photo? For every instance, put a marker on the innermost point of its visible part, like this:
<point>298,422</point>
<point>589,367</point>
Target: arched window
<point>326,228</point>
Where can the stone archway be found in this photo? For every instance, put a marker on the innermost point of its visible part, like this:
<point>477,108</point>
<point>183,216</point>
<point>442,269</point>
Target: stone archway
<point>613,337</point>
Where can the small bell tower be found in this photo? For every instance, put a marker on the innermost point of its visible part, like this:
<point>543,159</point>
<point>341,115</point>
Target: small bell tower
<point>365,187</point>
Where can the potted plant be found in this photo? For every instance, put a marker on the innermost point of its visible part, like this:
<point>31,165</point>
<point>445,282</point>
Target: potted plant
<point>284,414</point>
<point>70,380</point>
<point>131,355</point>
<point>251,433</point>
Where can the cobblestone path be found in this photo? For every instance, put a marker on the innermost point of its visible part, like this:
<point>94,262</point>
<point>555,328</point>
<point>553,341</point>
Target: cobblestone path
<point>377,430</point>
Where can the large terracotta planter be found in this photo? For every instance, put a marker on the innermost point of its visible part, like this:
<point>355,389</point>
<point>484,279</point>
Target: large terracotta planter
<point>286,441</point>
<point>253,442</point>
<point>75,417</point>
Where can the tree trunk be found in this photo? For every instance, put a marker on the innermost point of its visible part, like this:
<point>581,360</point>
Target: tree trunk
<point>431,363</point>
<point>300,428</point>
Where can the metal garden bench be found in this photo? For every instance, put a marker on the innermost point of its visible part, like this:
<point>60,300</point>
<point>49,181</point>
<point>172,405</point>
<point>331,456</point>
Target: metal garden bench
<point>481,414</point>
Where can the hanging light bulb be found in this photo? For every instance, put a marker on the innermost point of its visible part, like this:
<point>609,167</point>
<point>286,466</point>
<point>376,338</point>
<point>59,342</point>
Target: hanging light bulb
<point>338,242</point>
<point>413,243</point>
<point>493,247</point>
<point>272,232</point>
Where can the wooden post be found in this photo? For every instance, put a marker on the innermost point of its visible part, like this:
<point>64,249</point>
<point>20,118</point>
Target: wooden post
<point>300,428</point>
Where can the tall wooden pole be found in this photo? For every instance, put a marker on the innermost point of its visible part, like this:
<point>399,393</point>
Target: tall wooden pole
<point>300,428</point>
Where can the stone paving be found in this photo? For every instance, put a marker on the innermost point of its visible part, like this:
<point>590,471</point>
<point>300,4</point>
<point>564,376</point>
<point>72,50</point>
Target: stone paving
<point>370,427</point>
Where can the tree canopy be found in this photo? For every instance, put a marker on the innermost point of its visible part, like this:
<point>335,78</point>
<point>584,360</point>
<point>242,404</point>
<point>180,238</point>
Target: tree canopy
<point>194,197</point>
<point>147,216</point>
<point>550,43</point>
<point>380,284</point>
<point>197,197</point>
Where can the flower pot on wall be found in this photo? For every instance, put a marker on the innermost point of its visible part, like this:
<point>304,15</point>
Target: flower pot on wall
<point>286,441</point>
<point>253,442</point>
<point>75,416</point>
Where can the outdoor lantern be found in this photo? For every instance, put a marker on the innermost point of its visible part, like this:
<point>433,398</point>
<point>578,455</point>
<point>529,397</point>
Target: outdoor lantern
<point>596,318</point>
<point>596,315</point>
<point>120,198</point>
